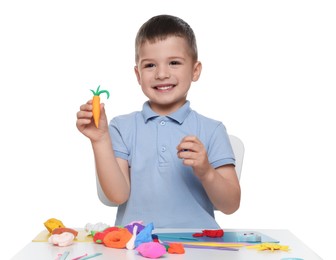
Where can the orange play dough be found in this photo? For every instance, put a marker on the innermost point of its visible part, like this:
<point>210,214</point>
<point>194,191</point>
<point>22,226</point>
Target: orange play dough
<point>175,248</point>
<point>117,238</point>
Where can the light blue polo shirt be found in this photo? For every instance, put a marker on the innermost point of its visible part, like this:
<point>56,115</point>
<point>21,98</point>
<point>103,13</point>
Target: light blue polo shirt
<point>163,190</point>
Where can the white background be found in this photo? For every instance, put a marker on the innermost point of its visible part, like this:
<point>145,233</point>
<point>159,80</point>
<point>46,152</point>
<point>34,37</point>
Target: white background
<point>268,74</point>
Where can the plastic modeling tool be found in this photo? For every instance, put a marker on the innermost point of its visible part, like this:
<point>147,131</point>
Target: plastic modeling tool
<point>249,237</point>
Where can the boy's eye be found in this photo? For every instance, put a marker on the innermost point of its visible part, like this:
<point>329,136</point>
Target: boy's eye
<point>149,65</point>
<point>174,62</point>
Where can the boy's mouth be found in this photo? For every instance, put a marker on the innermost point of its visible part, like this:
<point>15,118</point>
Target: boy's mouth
<point>164,87</point>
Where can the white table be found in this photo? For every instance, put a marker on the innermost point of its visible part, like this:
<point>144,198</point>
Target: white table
<point>45,251</point>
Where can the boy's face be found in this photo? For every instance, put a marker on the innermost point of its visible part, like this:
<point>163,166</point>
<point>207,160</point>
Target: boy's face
<point>165,70</point>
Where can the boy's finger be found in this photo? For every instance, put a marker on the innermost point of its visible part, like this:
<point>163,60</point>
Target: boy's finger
<point>189,138</point>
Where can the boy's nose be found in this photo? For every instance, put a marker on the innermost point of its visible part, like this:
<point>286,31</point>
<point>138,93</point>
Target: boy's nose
<point>162,73</point>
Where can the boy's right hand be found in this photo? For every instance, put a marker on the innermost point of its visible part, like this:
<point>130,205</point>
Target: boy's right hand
<point>85,122</point>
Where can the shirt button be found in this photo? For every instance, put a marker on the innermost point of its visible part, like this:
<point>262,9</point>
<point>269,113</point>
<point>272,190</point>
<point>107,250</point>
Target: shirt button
<point>163,149</point>
<point>162,123</point>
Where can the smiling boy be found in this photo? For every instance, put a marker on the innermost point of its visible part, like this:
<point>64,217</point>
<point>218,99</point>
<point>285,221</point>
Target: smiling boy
<point>166,164</point>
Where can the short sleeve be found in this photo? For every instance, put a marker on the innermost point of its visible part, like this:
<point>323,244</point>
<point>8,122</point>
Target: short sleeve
<point>119,146</point>
<point>219,150</point>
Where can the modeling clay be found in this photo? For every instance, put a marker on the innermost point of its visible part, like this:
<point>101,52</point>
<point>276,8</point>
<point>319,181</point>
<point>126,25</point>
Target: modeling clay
<point>118,238</point>
<point>130,244</point>
<point>155,238</point>
<point>145,235</point>
<point>269,246</point>
<point>151,249</point>
<point>130,227</point>
<point>93,228</point>
<point>136,222</point>
<point>64,239</point>
<point>58,231</point>
<point>99,236</point>
<point>198,235</point>
<point>213,233</point>
<point>96,104</point>
<point>210,233</point>
<point>176,248</point>
<point>53,223</point>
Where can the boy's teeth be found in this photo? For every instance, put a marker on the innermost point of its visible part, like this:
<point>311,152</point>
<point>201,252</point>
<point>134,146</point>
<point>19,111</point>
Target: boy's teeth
<point>164,88</point>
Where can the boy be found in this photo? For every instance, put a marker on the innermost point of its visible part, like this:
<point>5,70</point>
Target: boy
<point>166,164</point>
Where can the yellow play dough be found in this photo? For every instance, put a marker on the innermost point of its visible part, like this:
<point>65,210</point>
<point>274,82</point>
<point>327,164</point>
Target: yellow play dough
<point>53,223</point>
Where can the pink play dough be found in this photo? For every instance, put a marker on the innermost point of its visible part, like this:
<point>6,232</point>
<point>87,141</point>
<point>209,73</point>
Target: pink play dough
<point>151,249</point>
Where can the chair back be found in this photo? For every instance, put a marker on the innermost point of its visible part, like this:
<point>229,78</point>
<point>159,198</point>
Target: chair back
<point>238,150</point>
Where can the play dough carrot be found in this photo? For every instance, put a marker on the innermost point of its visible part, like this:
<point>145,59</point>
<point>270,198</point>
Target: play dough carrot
<point>96,104</point>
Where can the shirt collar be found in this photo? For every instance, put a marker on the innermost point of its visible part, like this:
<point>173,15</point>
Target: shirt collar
<point>179,116</point>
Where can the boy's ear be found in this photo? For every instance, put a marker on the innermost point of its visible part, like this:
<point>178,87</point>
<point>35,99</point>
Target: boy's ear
<point>197,71</point>
<point>137,74</point>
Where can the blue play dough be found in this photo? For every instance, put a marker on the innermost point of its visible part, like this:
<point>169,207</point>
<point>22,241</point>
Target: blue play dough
<point>144,236</point>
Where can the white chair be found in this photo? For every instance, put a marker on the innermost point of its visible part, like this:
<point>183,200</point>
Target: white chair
<point>238,150</point>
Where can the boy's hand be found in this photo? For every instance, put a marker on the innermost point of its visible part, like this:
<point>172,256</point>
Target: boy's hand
<point>193,153</point>
<point>85,123</point>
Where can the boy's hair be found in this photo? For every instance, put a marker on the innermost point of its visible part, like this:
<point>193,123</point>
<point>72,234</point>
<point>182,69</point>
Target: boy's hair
<point>160,27</point>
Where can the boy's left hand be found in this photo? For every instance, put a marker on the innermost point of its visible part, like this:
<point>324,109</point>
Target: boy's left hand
<point>194,154</point>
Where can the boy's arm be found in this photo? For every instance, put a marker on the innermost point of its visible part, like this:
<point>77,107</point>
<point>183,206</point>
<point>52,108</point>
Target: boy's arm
<point>221,184</point>
<point>222,187</point>
<point>112,172</point>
